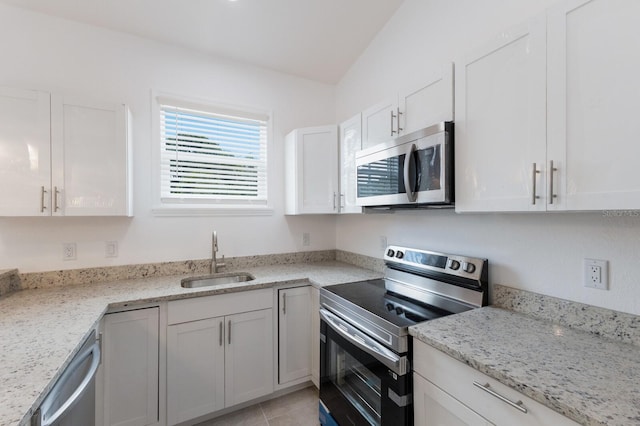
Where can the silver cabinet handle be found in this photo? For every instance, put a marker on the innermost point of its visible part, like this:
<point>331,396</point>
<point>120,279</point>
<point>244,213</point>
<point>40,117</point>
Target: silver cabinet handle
<point>284,303</point>
<point>519,405</point>
<point>342,201</point>
<point>229,331</point>
<point>408,186</point>
<point>94,352</point>
<point>534,197</point>
<point>334,200</point>
<point>221,332</point>
<point>398,120</point>
<point>42,206</point>
<point>393,132</point>
<point>551,171</point>
<point>55,198</point>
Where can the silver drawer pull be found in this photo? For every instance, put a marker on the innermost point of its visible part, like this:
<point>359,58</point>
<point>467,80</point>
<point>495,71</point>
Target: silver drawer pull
<point>487,388</point>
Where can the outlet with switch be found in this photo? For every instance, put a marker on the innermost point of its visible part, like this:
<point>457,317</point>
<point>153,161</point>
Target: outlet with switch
<point>596,274</point>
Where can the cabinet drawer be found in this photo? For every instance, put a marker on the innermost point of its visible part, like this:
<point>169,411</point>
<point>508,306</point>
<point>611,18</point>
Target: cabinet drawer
<point>199,308</point>
<point>456,379</point>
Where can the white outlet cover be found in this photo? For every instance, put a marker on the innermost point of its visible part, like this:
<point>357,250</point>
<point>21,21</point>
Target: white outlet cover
<point>595,278</point>
<point>111,249</point>
<point>69,251</point>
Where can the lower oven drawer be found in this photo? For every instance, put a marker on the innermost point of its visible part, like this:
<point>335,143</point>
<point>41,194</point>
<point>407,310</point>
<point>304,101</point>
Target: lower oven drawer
<point>359,389</point>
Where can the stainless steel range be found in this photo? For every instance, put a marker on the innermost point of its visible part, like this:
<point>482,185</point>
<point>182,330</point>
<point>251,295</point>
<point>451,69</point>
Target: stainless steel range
<point>365,348</point>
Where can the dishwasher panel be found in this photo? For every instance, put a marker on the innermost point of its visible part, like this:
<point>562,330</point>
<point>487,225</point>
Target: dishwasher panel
<point>71,401</point>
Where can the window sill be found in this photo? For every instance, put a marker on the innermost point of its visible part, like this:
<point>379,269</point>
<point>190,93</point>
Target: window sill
<point>230,210</point>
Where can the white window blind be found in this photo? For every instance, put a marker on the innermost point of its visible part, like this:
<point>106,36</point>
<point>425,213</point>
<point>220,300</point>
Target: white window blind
<point>212,156</point>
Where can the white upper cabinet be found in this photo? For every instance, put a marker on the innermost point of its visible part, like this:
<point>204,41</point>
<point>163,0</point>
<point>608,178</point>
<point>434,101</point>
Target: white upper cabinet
<point>90,151</point>
<point>428,103</point>
<point>350,143</point>
<point>25,153</point>
<point>501,122</point>
<point>546,115</point>
<point>594,103</point>
<point>411,109</point>
<point>379,123</point>
<point>62,156</point>
<point>311,171</point>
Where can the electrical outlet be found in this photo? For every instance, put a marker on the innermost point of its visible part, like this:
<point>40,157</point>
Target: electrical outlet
<point>596,274</point>
<point>111,249</point>
<point>69,251</point>
<point>306,239</point>
<point>383,242</point>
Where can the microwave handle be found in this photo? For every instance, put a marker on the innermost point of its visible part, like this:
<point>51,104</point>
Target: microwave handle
<point>408,184</point>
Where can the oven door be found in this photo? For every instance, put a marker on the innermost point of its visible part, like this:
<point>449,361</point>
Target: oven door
<point>358,384</point>
<point>414,169</point>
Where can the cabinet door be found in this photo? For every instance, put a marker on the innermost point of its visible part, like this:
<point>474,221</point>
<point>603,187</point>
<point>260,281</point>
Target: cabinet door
<point>25,153</point>
<point>428,103</point>
<point>294,337</point>
<point>350,143</point>
<point>380,123</point>
<point>312,170</point>
<point>433,407</point>
<point>315,336</point>
<point>195,369</point>
<point>90,152</point>
<point>594,103</point>
<point>249,356</point>
<point>501,123</point>
<point>130,363</point>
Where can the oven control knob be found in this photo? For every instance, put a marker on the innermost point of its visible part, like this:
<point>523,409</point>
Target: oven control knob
<point>399,310</point>
<point>389,307</point>
<point>399,254</point>
<point>454,264</point>
<point>468,267</point>
<point>390,253</point>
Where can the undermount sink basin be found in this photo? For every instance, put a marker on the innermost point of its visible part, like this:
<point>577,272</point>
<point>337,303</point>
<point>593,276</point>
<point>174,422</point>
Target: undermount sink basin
<point>217,279</point>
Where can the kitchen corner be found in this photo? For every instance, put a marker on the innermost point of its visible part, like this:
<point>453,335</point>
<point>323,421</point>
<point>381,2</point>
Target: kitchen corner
<point>579,360</point>
<point>41,329</point>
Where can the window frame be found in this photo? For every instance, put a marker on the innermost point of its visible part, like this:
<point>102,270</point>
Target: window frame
<point>205,207</point>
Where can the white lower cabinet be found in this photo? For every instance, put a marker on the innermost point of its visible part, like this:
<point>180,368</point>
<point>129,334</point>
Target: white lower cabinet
<point>130,368</point>
<point>448,392</point>
<point>294,339</point>
<point>215,362</point>
<point>315,336</point>
<point>432,406</point>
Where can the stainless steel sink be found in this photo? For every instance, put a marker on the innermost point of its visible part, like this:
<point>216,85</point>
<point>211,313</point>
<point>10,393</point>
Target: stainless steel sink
<point>217,279</point>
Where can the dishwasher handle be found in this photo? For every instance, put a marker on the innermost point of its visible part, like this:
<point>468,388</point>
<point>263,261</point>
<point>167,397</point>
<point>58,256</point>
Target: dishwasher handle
<point>94,352</point>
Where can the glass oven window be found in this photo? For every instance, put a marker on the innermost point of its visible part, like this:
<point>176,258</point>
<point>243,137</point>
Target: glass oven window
<point>357,383</point>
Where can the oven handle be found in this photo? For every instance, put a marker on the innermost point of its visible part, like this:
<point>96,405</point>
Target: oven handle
<point>408,185</point>
<point>398,364</point>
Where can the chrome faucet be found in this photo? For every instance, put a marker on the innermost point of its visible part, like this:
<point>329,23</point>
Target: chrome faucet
<point>214,249</point>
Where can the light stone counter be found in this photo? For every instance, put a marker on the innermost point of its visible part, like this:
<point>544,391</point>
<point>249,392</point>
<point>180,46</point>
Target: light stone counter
<point>41,329</point>
<point>588,378</point>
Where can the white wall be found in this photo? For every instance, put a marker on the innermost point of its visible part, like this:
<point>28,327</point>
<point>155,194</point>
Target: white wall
<point>42,52</point>
<point>536,252</point>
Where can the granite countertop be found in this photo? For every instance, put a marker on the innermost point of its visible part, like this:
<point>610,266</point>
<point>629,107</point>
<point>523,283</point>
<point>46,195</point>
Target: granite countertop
<point>588,378</point>
<point>41,329</point>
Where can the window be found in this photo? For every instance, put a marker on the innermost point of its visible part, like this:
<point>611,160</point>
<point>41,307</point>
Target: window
<point>212,155</point>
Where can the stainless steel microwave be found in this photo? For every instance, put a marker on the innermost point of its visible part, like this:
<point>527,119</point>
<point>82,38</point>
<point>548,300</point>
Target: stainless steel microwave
<point>414,170</point>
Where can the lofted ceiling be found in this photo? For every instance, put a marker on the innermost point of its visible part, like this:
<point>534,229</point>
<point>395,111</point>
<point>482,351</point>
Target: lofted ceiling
<point>315,39</point>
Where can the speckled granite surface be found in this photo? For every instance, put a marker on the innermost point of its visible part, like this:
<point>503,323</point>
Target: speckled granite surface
<point>9,281</point>
<point>603,322</point>
<point>360,260</point>
<point>41,329</point>
<point>160,269</point>
<point>588,378</point>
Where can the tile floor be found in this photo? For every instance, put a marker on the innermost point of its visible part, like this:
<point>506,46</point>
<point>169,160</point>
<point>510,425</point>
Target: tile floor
<point>299,408</point>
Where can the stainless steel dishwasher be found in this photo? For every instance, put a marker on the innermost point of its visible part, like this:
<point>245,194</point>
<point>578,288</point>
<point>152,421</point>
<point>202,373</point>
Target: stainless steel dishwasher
<point>71,400</point>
